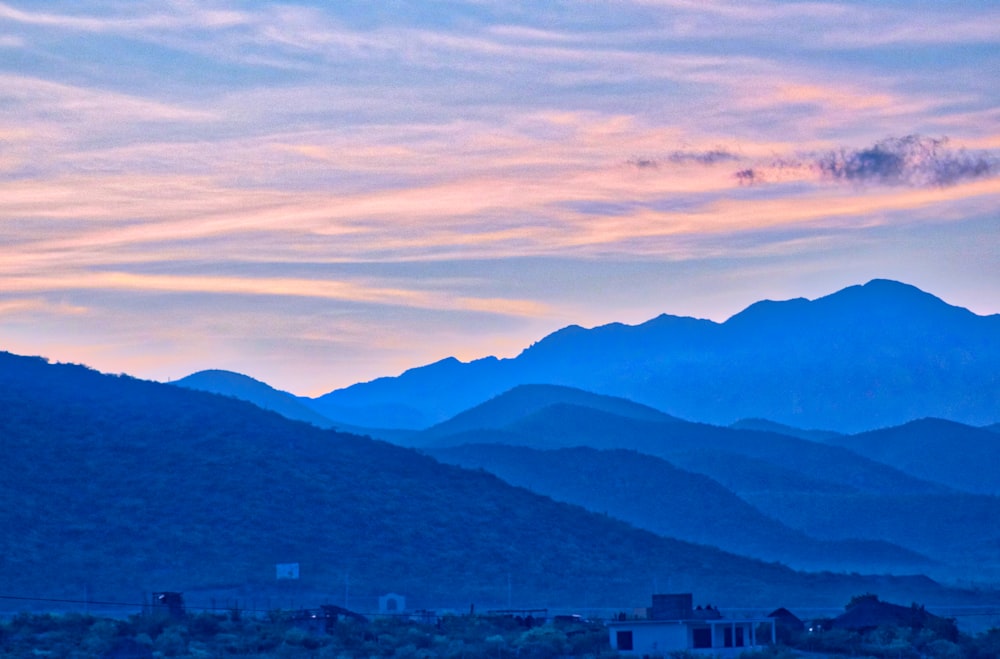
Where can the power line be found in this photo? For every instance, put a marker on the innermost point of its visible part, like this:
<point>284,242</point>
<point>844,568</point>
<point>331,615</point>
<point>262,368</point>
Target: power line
<point>65,601</point>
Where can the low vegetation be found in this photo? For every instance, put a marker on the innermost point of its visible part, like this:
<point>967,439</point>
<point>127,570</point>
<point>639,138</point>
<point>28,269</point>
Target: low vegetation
<point>277,635</point>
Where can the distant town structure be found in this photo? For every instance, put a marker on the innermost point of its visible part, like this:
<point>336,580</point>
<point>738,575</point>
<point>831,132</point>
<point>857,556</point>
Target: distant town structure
<point>169,603</point>
<point>672,624</point>
<point>391,603</point>
<point>324,619</point>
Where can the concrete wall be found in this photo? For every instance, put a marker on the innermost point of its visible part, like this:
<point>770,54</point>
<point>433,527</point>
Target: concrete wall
<point>651,638</point>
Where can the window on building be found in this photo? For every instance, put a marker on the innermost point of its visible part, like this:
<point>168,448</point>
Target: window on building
<point>701,637</point>
<point>624,640</point>
<point>739,637</point>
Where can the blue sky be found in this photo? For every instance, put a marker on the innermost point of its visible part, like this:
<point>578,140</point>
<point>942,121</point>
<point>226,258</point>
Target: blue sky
<point>322,193</point>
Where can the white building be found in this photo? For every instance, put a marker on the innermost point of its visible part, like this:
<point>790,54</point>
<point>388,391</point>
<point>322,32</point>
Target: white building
<point>671,625</point>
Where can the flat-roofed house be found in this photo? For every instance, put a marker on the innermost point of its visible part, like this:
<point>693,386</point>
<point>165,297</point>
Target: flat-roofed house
<point>672,624</point>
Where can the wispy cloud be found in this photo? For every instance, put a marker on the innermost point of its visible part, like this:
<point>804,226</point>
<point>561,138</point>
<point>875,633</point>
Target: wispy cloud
<point>277,155</point>
<point>175,15</point>
<point>346,291</point>
<point>32,306</point>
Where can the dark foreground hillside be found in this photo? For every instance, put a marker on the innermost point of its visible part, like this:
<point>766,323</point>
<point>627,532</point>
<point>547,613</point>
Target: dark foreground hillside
<point>115,487</point>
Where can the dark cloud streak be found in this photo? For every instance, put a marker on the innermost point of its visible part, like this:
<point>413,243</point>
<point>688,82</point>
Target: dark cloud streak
<point>913,160</point>
<point>706,158</point>
<point>702,157</point>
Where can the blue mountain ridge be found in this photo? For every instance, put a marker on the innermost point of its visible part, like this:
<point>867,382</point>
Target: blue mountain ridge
<point>862,358</point>
<point>135,485</point>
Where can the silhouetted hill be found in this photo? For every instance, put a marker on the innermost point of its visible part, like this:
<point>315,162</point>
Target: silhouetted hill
<point>121,486</point>
<point>566,425</point>
<point>650,493</point>
<point>763,425</point>
<point>865,357</point>
<point>406,402</point>
<point>954,454</point>
<point>513,405</point>
<point>244,387</point>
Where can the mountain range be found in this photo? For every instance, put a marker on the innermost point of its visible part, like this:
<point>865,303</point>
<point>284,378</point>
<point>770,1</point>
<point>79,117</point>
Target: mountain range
<point>116,486</point>
<point>593,463</point>
<point>650,493</point>
<point>800,491</point>
<point>932,480</point>
<point>862,358</point>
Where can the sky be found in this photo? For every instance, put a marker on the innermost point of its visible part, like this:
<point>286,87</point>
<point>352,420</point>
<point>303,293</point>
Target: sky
<point>317,194</point>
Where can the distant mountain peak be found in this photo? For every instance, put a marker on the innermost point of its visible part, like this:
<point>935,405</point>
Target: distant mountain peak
<point>866,356</point>
<point>244,387</point>
<point>897,294</point>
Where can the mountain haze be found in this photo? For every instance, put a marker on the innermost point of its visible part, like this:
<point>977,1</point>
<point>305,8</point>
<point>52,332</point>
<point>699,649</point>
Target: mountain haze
<point>806,485</point>
<point>765,425</point>
<point>567,425</point>
<point>651,493</point>
<point>954,454</point>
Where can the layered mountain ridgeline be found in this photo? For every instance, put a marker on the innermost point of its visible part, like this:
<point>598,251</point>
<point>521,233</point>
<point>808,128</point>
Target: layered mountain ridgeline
<point>118,486</point>
<point>261,394</point>
<point>513,406</point>
<point>865,357</point>
<point>650,493</point>
<point>955,454</point>
<point>764,425</point>
<point>560,421</point>
<point>803,484</point>
<point>959,530</point>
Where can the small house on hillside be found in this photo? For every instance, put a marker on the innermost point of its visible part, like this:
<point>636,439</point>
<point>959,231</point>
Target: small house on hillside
<point>672,624</point>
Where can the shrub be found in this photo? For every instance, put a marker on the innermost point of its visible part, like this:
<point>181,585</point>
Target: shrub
<point>171,642</point>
